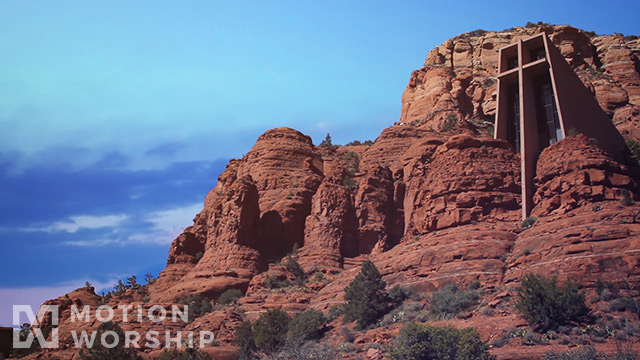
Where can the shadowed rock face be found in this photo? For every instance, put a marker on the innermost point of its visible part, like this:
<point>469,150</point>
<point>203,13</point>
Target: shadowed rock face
<point>254,215</point>
<point>331,227</point>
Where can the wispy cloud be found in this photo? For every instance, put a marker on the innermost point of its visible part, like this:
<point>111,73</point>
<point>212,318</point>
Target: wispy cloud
<point>173,221</point>
<point>81,222</point>
<point>162,227</point>
<point>91,243</point>
<point>167,224</point>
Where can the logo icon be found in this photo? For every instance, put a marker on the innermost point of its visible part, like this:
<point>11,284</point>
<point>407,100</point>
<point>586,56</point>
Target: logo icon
<point>36,332</point>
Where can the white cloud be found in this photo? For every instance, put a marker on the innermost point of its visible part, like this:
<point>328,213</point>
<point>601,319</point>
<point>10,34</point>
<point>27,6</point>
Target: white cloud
<point>35,296</point>
<point>90,243</point>
<point>165,226</point>
<point>81,222</point>
<point>173,221</point>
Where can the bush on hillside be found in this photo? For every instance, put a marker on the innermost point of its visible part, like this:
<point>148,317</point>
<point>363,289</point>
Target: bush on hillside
<point>98,350</point>
<point>307,325</point>
<point>270,330</point>
<point>229,296</point>
<point>546,306</point>
<point>451,300</point>
<point>366,299</point>
<point>421,341</point>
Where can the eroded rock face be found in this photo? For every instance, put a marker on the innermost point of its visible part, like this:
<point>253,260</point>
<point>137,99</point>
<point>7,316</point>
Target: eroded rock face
<point>575,172</point>
<point>229,228</point>
<point>466,179</point>
<point>390,148</point>
<point>254,215</point>
<point>457,85</point>
<point>330,229</point>
<point>588,245</point>
<point>375,211</point>
<point>287,171</point>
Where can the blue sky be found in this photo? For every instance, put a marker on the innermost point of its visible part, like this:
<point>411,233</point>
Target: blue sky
<point>117,117</point>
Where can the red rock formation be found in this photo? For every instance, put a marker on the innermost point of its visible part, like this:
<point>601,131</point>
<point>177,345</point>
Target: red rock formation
<point>483,184</point>
<point>375,211</point>
<point>427,204</point>
<point>575,172</point>
<point>330,229</point>
<point>391,146</point>
<point>585,245</point>
<point>457,80</point>
<point>287,171</point>
<point>254,215</point>
<point>230,256</point>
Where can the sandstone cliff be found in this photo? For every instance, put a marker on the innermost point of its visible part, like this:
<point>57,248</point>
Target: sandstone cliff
<point>434,200</point>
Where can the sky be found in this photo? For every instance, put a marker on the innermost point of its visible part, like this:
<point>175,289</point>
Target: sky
<point>116,117</point>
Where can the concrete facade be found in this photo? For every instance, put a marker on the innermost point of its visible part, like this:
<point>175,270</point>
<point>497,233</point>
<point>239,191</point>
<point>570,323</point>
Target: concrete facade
<point>540,101</point>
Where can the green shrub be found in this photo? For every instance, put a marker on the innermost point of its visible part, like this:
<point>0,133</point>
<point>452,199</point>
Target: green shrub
<point>624,304</point>
<point>404,313</point>
<point>606,290</point>
<point>634,150</point>
<point>244,340</point>
<point>198,305</point>
<point>366,299</point>
<point>418,341</point>
<point>327,144</point>
<point>270,330</point>
<point>488,82</point>
<point>450,123</point>
<point>295,269</point>
<point>229,296</point>
<point>347,348</point>
<point>349,183</point>
<point>25,330</point>
<point>149,279</point>
<point>307,351</point>
<point>334,312</point>
<point>307,325</point>
<point>351,162</point>
<point>99,352</point>
<point>398,294</point>
<point>451,300</point>
<point>589,353</point>
<point>532,338</point>
<point>187,354</point>
<point>318,277</point>
<point>546,306</point>
<point>347,334</point>
<point>626,198</point>
<point>271,282</point>
<point>528,222</point>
